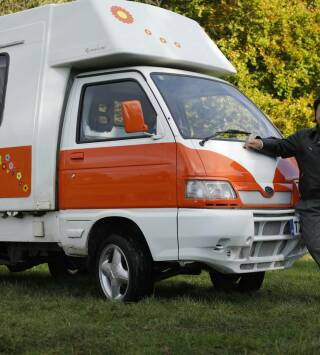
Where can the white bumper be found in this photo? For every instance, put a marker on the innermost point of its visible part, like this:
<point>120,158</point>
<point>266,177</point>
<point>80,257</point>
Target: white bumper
<point>238,241</point>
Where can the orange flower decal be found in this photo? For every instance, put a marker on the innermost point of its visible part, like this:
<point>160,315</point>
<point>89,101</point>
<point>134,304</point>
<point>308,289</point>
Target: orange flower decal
<point>122,14</point>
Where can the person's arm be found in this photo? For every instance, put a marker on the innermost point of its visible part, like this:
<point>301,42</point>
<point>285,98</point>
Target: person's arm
<point>285,148</point>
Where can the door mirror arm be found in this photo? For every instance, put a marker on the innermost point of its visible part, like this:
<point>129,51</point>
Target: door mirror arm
<point>154,136</point>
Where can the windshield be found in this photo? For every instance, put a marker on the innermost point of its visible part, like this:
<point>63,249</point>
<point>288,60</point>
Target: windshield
<point>201,107</point>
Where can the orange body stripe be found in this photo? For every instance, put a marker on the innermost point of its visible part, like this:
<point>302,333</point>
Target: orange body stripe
<point>15,172</point>
<point>145,176</point>
<point>119,177</point>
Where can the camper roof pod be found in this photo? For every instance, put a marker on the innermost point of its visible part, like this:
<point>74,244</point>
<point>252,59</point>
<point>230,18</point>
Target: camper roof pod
<point>94,33</point>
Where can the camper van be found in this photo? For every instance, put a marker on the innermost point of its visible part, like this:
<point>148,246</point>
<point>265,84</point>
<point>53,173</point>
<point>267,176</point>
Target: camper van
<point>121,153</point>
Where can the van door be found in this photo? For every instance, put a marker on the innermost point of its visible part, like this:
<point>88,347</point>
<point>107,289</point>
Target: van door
<point>102,166</point>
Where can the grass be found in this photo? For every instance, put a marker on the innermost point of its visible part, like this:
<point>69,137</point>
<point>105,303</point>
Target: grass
<point>186,316</point>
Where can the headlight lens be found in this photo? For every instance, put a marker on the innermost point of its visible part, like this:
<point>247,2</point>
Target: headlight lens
<point>211,190</point>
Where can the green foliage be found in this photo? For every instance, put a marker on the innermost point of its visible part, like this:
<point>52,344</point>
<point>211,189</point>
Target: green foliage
<point>274,45</point>
<point>11,6</point>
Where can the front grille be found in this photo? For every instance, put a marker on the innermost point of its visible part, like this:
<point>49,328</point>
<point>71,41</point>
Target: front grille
<point>263,265</point>
<point>271,228</point>
<point>267,248</point>
<point>272,240</point>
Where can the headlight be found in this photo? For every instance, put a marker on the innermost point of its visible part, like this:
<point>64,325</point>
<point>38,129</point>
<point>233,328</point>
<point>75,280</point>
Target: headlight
<point>211,190</point>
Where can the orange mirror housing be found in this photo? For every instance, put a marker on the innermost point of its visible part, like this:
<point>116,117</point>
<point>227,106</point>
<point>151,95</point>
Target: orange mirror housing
<point>133,117</point>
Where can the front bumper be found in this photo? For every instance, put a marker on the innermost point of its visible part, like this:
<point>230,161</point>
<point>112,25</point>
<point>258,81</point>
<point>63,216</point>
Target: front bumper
<point>238,240</point>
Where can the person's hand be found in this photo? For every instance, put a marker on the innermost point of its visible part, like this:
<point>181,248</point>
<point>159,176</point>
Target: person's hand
<point>253,143</point>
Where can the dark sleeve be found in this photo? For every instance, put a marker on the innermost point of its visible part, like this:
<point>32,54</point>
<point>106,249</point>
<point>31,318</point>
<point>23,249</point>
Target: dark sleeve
<point>277,147</point>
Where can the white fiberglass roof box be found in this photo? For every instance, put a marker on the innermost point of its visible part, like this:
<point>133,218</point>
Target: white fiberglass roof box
<point>116,33</point>
<point>44,44</point>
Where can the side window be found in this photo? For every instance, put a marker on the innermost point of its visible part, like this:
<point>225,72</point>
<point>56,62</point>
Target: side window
<point>4,66</point>
<point>101,114</point>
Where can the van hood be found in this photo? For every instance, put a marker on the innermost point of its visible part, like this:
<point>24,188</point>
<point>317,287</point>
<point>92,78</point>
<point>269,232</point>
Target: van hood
<point>251,173</point>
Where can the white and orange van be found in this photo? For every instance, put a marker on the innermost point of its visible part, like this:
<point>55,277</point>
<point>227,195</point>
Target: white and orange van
<point>121,150</point>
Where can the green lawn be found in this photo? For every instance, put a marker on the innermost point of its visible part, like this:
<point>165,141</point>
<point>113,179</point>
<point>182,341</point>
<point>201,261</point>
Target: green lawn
<point>186,316</point>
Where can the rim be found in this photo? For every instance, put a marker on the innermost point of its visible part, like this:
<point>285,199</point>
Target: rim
<point>114,273</point>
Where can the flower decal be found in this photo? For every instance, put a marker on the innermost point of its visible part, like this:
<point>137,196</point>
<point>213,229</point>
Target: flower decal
<point>122,14</point>
<point>148,32</point>
<point>177,44</point>
<point>15,176</point>
<point>163,40</point>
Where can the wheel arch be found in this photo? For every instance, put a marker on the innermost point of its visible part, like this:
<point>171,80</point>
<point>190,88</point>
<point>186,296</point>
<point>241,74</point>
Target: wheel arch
<point>108,225</point>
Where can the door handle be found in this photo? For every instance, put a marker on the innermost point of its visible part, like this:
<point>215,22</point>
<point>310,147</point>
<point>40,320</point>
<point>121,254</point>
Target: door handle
<point>77,156</point>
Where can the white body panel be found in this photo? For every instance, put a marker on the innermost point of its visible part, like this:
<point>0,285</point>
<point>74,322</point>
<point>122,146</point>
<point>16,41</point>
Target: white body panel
<point>159,226</point>
<point>33,106</point>
<point>70,229</point>
<point>255,240</point>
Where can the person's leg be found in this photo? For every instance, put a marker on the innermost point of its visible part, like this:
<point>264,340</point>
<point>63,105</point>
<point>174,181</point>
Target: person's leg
<point>309,212</point>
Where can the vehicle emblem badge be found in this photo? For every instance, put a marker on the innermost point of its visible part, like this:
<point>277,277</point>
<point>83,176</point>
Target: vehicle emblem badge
<point>269,190</point>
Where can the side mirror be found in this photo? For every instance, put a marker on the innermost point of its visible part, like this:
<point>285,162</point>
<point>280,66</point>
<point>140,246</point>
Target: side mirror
<point>133,117</point>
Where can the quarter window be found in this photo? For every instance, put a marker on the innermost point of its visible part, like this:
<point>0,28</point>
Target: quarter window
<point>4,66</point>
<point>101,114</point>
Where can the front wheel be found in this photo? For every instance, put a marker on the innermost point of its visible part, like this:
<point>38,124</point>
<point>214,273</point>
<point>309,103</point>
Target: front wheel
<point>123,269</point>
<point>249,282</point>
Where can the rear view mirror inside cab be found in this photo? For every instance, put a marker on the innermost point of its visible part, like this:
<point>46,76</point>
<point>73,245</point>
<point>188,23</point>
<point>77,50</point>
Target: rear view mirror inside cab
<point>133,117</point>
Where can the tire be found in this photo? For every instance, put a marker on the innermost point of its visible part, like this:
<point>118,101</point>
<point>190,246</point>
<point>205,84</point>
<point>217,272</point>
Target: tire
<point>249,282</point>
<point>123,269</point>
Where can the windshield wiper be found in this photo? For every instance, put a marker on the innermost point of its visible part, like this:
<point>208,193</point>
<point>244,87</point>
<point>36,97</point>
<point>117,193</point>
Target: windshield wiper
<point>228,131</point>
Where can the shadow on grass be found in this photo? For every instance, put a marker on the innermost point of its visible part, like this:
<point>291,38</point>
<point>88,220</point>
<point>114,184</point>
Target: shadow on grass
<point>298,284</point>
<point>278,287</point>
<point>36,282</point>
